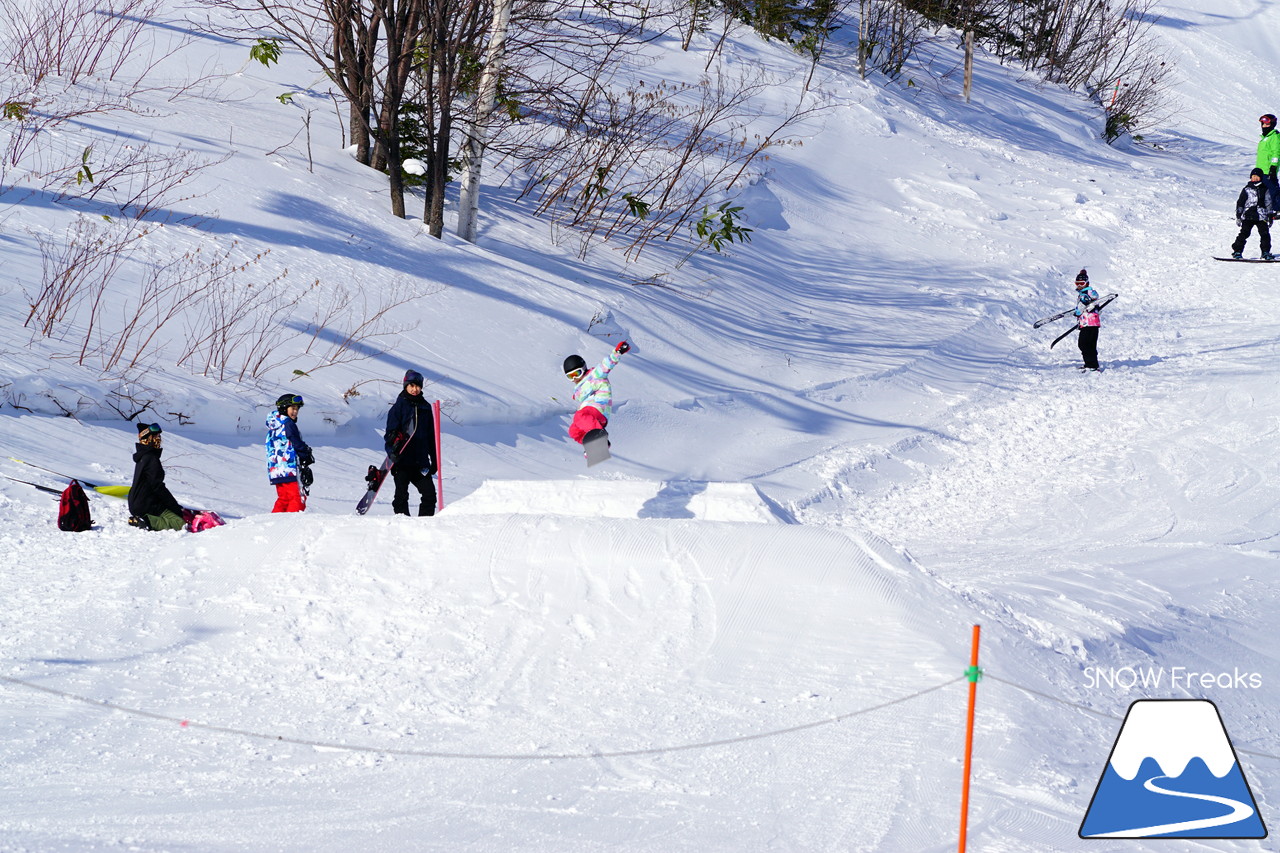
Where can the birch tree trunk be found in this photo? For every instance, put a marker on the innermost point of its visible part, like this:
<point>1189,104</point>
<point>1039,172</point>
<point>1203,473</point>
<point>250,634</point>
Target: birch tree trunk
<point>473,147</point>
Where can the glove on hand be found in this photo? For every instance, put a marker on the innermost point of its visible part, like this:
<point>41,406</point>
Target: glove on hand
<point>305,475</point>
<point>622,347</point>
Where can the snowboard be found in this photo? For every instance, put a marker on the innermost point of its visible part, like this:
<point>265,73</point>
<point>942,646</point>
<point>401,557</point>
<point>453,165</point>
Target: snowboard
<point>377,474</point>
<point>595,446</point>
<point>1246,260</point>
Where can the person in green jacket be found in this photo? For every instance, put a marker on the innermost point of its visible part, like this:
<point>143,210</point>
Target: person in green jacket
<point>1269,154</point>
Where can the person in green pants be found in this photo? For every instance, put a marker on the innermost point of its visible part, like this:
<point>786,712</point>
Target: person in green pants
<point>151,505</point>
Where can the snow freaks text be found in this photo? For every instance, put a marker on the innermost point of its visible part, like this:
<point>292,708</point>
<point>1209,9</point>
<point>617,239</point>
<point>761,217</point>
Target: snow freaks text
<point>1175,677</point>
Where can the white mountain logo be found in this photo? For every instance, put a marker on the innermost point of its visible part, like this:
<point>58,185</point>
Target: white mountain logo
<point>1172,774</point>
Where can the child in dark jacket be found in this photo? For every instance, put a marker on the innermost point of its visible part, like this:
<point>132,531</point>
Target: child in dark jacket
<point>1254,209</point>
<point>413,461</point>
<point>151,505</point>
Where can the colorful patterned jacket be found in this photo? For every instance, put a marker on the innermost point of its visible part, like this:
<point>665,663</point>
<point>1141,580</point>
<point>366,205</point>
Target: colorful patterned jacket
<point>285,449</point>
<point>1085,316</point>
<point>594,389</point>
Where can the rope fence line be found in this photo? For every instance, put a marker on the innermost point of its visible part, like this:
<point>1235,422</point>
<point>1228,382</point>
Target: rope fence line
<point>567,756</point>
<point>137,712</point>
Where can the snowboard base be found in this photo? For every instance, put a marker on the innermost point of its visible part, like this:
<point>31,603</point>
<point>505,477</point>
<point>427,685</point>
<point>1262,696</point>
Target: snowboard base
<point>373,481</point>
<point>1246,260</point>
<point>595,446</point>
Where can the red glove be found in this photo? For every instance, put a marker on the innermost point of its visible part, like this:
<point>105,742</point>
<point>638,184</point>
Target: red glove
<point>622,347</point>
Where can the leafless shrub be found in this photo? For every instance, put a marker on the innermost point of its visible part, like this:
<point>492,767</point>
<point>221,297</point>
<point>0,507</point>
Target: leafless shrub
<point>75,40</point>
<point>233,332</point>
<point>889,34</point>
<point>129,399</point>
<point>76,272</point>
<point>339,335</point>
<point>639,164</point>
<point>140,181</point>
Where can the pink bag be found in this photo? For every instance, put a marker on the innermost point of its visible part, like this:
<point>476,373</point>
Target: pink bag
<point>203,519</point>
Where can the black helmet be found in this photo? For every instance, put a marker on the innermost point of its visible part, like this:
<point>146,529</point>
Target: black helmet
<point>287,400</point>
<point>572,363</point>
<point>412,377</point>
<point>1267,120</point>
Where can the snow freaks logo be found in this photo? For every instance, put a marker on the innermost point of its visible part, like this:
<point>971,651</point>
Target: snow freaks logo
<point>1172,774</point>
<point>1176,678</point>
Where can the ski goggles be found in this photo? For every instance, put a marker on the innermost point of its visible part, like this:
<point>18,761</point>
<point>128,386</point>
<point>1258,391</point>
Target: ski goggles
<point>291,400</point>
<point>147,430</point>
<point>576,374</point>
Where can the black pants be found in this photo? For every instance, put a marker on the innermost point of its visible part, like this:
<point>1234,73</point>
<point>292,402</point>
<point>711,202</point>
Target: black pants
<point>1264,235</point>
<point>1088,341</point>
<point>424,484</point>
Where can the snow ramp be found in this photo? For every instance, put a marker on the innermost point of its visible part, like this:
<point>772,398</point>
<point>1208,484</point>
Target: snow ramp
<point>535,680</point>
<point>703,501</point>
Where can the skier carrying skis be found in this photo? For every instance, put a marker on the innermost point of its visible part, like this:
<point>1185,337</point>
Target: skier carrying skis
<point>594,393</point>
<point>1254,209</point>
<point>289,459</point>
<point>413,461</point>
<point>1087,320</point>
<point>151,505</point>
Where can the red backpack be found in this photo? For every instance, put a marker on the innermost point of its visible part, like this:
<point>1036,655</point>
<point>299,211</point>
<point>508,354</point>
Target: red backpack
<point>73,509</point>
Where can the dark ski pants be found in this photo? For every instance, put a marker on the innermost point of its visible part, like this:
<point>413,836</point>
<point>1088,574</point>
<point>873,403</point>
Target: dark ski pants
<point>1088,342</point>
<point>1264,235</point>
<point>422,482</point>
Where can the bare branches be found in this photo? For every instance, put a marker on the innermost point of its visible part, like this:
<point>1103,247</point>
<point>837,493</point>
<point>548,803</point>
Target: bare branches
<point>640,164</point>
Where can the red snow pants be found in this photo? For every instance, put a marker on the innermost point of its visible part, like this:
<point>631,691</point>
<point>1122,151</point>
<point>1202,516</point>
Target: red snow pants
<point>288,498</point>
<point>584,421</point>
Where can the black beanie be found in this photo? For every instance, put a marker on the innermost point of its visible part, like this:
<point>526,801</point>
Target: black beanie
<point>1258,172</point>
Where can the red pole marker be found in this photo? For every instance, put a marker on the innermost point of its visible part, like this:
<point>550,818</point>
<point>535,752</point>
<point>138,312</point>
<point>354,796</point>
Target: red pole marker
<point>973,673</point>
<point>435,410</point>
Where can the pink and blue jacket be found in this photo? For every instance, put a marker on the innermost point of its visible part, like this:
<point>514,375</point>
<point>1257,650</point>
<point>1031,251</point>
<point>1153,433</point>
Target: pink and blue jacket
<point>1085,316</point>
<point>595,389</point>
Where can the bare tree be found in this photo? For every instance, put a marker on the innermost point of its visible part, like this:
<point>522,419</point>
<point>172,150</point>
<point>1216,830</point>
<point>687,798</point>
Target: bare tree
<point>486,102</point>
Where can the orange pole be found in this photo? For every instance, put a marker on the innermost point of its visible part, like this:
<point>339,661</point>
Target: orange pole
<point>973,674</point>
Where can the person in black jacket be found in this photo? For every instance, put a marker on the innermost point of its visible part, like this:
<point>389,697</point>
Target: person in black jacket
<point>410,443</point>
<point>1253,210</point>
<point>151,505</point>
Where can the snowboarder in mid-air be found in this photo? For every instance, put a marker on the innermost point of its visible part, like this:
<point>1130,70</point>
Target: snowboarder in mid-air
<point>593,394</point>
<point>409,441</point>
<point>1254,209</point>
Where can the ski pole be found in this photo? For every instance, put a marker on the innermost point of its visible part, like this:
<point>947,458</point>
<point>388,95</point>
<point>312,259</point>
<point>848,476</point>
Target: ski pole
<point>48,489</point>
<point>113,491</point>
<point>1063,335</point>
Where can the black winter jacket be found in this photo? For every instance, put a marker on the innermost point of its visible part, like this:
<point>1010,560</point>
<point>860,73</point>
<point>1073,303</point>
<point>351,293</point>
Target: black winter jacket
<point>412,414</point>
<point>148,494</point>
<point>1255,203</point>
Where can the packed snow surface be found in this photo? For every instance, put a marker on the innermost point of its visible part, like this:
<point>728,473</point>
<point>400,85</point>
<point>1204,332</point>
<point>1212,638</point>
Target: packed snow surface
<point>836,449</point>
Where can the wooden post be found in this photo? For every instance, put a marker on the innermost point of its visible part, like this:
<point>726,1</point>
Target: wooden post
<point>973,673</point>
<point>968,64</point>
<point>435,411</point>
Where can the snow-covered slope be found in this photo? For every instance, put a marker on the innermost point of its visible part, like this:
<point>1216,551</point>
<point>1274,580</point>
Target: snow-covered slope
<point>749,630</point>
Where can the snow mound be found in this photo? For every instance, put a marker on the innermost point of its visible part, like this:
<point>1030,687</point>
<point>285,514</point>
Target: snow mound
<point>740,502</point>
